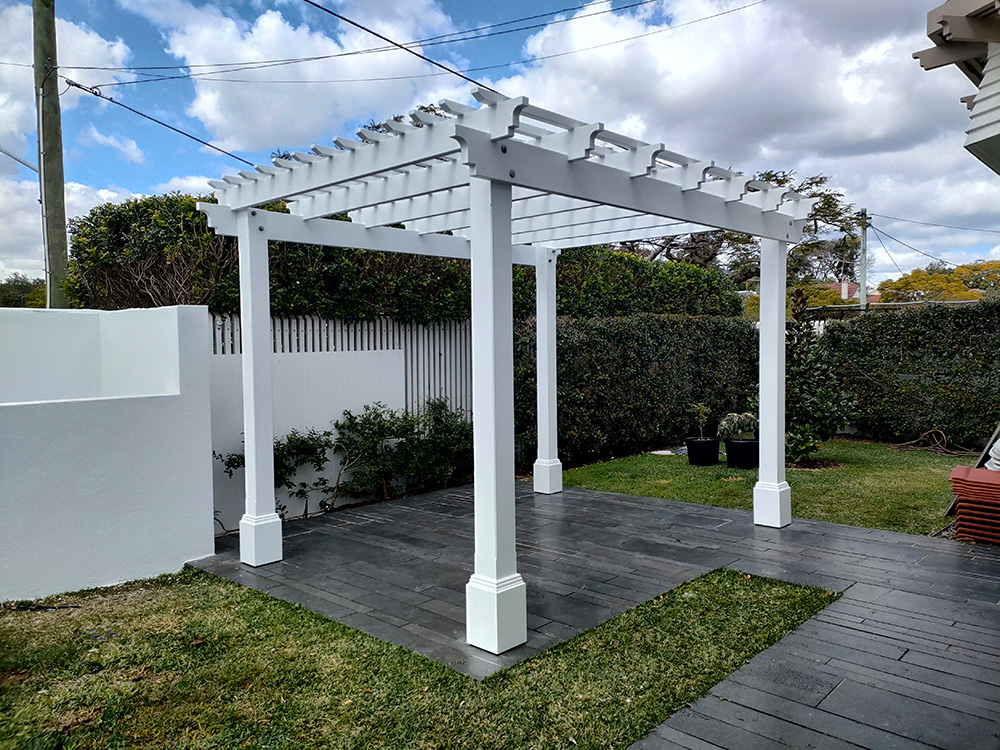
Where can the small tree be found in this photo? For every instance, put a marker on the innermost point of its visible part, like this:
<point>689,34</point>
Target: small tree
<point>815,405</point>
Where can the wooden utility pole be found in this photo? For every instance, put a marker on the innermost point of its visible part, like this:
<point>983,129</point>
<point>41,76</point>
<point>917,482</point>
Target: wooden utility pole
<point>863,272</point>
<point>50,155</point>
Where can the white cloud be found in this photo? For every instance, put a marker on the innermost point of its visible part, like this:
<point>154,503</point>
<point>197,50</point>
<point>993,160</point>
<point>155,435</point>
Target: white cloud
<point>192,185</point>
<point>78,45</point>
<point>21,247</point>
<point>265,113</point>
<point>127,147</point>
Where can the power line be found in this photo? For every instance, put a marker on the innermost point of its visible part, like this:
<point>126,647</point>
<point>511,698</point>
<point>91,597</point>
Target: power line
<point>95,92</point>
<point>878,235</point>
<point>449,38</point>
<point>206,75</point>
<point>932,224</point>
<point>911,247</point>
<point>436,64</point>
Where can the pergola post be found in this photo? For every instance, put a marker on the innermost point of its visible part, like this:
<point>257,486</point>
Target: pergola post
<point>548,468</point>
<point>260,527</point>
<point>496,607</point>
<point>772,497</point>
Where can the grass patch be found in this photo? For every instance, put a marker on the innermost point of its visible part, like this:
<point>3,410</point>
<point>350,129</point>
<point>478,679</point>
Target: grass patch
<point>876,487</point>
<point>192,661</point>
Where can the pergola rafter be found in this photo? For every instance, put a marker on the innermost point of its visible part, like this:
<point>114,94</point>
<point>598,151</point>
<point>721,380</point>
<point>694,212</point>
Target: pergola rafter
<point>507,182</point>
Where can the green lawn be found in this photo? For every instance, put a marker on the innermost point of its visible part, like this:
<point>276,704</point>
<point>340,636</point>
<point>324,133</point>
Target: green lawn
<point>876,487</point>
<point>192,661</point>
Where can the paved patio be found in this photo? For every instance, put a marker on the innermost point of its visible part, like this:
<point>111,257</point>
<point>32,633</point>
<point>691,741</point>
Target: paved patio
<point>908,658</point>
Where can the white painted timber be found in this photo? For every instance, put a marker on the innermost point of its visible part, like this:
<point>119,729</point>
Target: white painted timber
<point>984,127</point>
<point>495,599</point>
<point>333,233</point>
<point>772,504</point>
<point>108,480</point>
<point>260,527</point>
<point>530,166</point>
<point>548,467</point>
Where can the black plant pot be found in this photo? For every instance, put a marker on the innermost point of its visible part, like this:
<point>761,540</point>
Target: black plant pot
<point>702,451</point>
<point>743,454</point>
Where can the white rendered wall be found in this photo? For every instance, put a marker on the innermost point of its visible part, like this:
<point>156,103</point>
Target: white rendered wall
<point>104,489</point>
<point>35,349</point>
<point>311,390</point>
<point>128,366</point>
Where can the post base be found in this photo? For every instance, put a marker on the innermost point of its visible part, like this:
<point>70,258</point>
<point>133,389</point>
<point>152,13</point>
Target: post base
<point>772,504</point>
<point>496,613</point>
<point>548,476</point>
<point>260,539</point>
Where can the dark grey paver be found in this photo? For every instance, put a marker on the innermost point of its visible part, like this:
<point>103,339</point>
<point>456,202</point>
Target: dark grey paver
<point>908,658</point>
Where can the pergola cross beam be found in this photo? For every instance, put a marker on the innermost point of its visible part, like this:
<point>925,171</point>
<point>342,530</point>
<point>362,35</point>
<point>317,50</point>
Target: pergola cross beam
<point>504,183</point>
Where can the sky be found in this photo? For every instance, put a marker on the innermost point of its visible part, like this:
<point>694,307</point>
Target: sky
<point>813,86</point>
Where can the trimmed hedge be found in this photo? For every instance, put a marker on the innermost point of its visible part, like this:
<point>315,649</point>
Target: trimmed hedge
<point>159,250</point>
<point>932,368</point>
<point>592,282</point>
<point>628,383</point>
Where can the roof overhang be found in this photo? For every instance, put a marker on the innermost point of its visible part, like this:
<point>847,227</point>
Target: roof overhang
<point>966,33</point>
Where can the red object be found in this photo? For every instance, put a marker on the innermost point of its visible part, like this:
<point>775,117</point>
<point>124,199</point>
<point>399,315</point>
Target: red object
<point>978,505</point>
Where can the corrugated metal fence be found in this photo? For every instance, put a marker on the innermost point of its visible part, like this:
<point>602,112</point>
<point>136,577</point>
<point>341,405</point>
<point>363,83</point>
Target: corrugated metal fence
<point>438,357</point>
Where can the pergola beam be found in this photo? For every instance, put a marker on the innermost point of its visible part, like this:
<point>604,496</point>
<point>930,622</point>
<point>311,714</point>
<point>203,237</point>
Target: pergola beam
<point>334,233</point>
<point>530,166</point>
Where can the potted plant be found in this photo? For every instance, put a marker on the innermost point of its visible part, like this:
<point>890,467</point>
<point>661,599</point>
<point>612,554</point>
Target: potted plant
<point>701,450</point>
<point>740,434</point>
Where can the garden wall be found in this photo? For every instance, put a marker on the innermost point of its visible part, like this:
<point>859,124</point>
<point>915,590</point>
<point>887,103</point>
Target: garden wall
<point>106,449</point>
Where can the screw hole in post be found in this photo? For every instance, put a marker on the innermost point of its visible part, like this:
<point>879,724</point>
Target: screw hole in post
<point>503,149</point>
<point>512,173</point>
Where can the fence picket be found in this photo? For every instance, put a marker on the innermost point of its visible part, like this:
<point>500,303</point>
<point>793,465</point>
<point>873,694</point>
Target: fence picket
<point>437,357</point>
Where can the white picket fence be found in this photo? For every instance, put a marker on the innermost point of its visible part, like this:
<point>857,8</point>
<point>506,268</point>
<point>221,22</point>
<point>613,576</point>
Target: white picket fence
<point>437,357</point>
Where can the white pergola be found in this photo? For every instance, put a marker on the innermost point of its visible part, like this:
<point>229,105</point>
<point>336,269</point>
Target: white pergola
<point>510,183</point>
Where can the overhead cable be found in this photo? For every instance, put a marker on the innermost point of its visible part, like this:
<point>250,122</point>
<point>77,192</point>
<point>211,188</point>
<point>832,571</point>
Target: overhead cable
<point>210,75</point>
<point>96,92</point>
<point>932,224</point>
<point>911,247</point>
<point>384,38</point>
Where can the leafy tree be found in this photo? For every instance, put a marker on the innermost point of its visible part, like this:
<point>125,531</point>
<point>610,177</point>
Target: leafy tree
<point>18,290</point>
<point>146,252</point>
<point>815,404</point>
<point>829,247</point>
<point>816,296</point>
<point>940,283</point>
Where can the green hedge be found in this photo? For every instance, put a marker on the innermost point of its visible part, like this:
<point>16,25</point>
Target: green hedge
<point>159,250</point>
<point>932,368</point>
<point>592,282</point>
<point>628,383</point>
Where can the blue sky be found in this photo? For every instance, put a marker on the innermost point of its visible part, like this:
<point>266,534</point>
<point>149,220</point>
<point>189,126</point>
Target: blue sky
<point>809,85</point>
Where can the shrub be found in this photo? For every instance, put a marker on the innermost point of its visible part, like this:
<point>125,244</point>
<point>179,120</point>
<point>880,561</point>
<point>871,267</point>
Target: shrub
<point>815,404</point>
<point>392,454</point>
<point>627,383</point>
<point>384,454</point>
<point>292,452</point>
<point>930,368</point>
